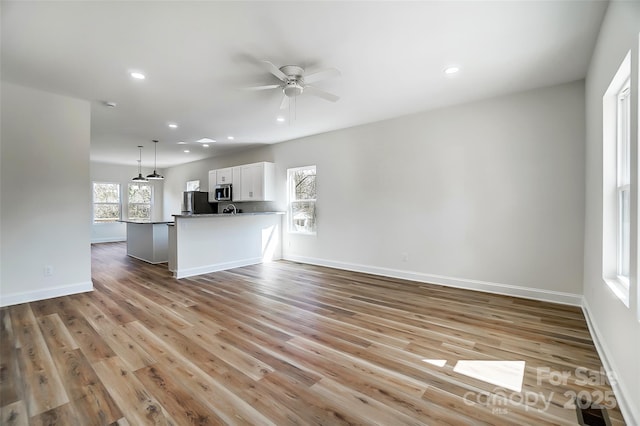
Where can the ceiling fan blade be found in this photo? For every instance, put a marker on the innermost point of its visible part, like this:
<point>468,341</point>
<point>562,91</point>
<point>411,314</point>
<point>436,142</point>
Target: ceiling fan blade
<point>275,70</point>
<point>267,87</point>
<point>320,93</point>
<point>321,75</point>
<point>285,102</point>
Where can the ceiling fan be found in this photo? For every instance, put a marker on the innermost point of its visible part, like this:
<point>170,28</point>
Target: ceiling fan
<point>295,82</point>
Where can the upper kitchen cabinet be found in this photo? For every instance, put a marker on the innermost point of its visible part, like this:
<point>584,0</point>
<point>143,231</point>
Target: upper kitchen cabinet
<point>224,176</point>
<point>254,182</point>
<point>219,177</point>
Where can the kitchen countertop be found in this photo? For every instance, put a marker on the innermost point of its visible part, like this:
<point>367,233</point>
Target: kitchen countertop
<point>195,216</point>
<point>145,222</point>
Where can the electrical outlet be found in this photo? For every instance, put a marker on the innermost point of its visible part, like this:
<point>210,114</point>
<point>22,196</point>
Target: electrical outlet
<point>405,257</point>
<point>48,271</point>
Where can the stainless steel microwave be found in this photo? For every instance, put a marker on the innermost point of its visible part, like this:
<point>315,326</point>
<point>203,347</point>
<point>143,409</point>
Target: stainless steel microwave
<point>223,192</point>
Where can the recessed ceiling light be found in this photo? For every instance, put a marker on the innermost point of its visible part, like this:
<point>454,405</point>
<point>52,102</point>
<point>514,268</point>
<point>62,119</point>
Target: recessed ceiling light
<point>205,140</point>
<point>230,138</point>
<point>187,151</point>
<point>182,143</point>
<point>173,125</point>
<point>137,75</point>
<point>451,70</point>
<point>280,119</point>
<point>205,146</point>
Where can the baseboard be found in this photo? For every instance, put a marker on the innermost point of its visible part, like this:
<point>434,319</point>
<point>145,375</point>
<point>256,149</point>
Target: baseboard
<point>215,267</point>
<point>48,293</point>
<point>485,286</point>
<point>148,261</point>
<point>618,387</point>
<point>108,240</point>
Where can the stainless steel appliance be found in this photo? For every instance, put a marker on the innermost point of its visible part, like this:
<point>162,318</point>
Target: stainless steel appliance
<point>223,192</point>
<point>197,202</point>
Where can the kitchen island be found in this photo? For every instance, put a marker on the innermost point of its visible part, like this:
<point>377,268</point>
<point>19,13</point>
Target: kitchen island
<point>147,240</point>
<point>203,243</point>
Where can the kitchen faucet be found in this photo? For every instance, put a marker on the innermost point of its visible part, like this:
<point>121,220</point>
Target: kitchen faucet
<point>234,210</point>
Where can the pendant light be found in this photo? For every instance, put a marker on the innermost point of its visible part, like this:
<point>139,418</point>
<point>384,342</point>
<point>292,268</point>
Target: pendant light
<point>140,178</point>
<point>155,175</point>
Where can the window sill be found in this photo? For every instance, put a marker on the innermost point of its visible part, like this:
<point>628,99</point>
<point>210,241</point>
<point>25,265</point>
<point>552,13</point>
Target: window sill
<point>620,287</point>
<point>313,234</point>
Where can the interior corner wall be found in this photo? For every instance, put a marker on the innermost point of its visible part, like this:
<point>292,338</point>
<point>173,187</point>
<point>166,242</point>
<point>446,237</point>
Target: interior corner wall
<point>117,173</point>
<point>616,327</point>
<point>44,196</point>
<point>487,195</point>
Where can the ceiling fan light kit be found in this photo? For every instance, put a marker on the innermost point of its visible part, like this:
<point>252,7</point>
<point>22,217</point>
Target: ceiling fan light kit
<point>295,82</point>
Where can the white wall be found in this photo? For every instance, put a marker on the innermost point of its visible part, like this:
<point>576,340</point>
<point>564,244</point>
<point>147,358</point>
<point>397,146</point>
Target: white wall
<point>616,327</point>
<point>102,172</point>
<point>487,195</point>
<point>45,204</point>
<point>490,191</point>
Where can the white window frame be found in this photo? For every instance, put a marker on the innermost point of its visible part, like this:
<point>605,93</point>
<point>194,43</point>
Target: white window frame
<point>623,188</point>
<point>291,200</point>
<point>94,202</point>
<point>193,185</point>
<point>150,203</point>
<point>616,183</point>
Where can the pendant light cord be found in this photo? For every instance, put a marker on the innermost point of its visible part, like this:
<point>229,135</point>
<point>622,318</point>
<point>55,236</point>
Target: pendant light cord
<point>155,175</point>
<point>140,161</point>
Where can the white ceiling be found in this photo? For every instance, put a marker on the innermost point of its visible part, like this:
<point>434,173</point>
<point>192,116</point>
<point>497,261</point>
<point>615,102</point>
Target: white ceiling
<point>199,55</point>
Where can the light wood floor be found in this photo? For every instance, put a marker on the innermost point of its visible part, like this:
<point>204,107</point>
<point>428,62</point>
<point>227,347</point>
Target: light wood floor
<point>285,343</point>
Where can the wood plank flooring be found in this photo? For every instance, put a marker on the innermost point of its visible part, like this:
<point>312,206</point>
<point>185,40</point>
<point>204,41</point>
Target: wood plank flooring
<point>285,343</point>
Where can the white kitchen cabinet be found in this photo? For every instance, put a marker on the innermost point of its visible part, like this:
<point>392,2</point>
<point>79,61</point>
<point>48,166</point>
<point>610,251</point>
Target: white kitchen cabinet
<point>212,186</point>
<point>254,182</point>
<point>224,176</point>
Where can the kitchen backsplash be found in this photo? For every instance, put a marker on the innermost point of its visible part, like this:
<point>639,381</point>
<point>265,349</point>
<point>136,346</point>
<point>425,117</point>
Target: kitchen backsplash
<point>250,206</point>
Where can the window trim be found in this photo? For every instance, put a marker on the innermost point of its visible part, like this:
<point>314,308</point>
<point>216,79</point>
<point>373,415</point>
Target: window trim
<point>291,201</point>
<point>623,184</point>
<point>616,183</point>
<point>93,202</point>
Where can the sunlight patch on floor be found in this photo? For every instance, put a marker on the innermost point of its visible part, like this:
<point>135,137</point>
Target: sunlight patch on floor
<point>436,362</point>
<point>507,374</point>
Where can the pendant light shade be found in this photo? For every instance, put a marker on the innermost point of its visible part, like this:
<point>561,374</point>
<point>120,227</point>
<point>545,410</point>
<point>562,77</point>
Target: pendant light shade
<point>155,175</point>
<point>140,178</point>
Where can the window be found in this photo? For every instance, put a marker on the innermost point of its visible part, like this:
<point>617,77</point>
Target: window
<point>139,201</point>
<point>623,167</point>
<point>193,185</point>
<point>616,182</point>
<point>301,183</point>
<point>106,202</point>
